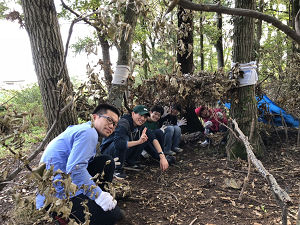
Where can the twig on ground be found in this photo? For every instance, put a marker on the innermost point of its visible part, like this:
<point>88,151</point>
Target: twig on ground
<point>170,193</point>
<point>193,221</point>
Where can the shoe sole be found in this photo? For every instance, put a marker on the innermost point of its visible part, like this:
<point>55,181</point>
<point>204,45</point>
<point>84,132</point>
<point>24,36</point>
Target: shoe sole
<point>119,178</point>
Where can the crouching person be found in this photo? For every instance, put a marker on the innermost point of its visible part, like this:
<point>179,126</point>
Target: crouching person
<point>153,125</point>
<point>213,122</point>
<point>73,152</point>
<point>129,140</point>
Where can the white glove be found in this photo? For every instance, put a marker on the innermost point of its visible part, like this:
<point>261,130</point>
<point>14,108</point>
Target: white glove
<point>167,111</point>
<point>106,201</point>
<point>181,122</point>
<point>163,127</point>
<point>117,163</point>
<point>220,115</point>
<point>208,124</point>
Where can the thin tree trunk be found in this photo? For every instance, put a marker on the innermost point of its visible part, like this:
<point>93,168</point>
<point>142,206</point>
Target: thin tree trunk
<point>47,51</point>
<point>295,9</point>
<point>145,59</point>
<point>106,60</point>
<point>201,42</point>
<point>259,32</point>
<point>219,44</point>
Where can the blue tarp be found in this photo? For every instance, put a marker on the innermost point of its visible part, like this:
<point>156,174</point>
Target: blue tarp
<point>265,104</point>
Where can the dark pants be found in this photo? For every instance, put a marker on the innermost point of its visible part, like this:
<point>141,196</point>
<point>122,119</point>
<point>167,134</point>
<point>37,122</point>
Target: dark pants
<point>98,216</point>
<point>129,155</point>
<point>159,136</point>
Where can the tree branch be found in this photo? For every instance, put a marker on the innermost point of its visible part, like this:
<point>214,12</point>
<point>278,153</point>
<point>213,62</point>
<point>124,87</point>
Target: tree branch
<point>243,12</point>
<point>282,198</point>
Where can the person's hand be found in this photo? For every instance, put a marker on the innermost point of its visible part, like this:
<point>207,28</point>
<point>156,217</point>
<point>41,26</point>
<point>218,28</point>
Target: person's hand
<point>220,115</point>
<point>167,111</point>
<point>163,162</point>
<point>163,127</point>
<point>106,201</point>
<point>144,136</point>
<point>181,122</point>
<point>208,124</point>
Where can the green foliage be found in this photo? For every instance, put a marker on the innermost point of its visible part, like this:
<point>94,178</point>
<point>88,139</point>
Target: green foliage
<point>3,9</point>
<point>23,113</point>
<point>87,44</point>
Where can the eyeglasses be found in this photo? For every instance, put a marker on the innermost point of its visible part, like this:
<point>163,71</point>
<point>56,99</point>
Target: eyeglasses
<point>109,120</point>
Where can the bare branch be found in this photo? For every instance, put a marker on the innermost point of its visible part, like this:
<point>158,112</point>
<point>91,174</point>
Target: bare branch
<point>282,198</point>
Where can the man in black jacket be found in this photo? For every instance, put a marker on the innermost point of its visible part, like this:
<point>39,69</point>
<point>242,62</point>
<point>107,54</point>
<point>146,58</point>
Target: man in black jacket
<point>129,139</point>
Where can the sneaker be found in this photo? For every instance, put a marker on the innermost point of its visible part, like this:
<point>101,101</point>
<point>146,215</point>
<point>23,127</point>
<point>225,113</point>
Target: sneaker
<point>169,152</point>
<point>204,143</point>
<point>145,154</point>
<point>171,159</point>
<point>120,175</point>
<point>177,150</point>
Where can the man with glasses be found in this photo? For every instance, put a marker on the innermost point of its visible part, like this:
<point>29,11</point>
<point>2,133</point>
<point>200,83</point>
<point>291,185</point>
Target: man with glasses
<point>73,152</point>
<point>129,140</point>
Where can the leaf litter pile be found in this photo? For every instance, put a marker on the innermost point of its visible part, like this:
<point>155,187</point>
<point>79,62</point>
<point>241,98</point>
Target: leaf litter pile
<point>202,187</point>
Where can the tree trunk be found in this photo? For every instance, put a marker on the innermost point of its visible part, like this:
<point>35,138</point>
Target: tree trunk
<point>117,91</point>
<point>243,104</point>
<point>201,43</point>
<point>219,44</point>
<point>295,9</point>
<point>106,60</point>
<point>47,51</point>
<point>145,58</point>
<point>185,36</point>
<point>259,32</point>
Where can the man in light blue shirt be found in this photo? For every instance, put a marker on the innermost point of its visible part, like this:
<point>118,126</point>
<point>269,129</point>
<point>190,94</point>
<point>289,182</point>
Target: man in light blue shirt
<point>73,152</point>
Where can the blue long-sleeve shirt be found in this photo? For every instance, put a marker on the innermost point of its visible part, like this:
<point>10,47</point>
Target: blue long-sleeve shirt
<point>71,152</point>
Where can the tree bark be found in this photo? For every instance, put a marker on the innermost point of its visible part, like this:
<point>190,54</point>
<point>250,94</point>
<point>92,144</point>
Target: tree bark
<point>243,104</point>
<point>185,36</point>
<point>47,51</point>
<point>106,60</point>
<point>219,44</point>
<point>201,42</point>
<point>117,91</point>
<point>259,32</point>
<point>295,9</point>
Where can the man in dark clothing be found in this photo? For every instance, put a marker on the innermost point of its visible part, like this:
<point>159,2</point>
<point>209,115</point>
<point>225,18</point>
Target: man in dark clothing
<point>172,130</point>
<point>129,140</point>
<point>153,125</point>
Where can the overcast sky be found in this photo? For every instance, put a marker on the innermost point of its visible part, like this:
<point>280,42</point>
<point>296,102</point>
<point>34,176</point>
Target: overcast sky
<point>16,59</point>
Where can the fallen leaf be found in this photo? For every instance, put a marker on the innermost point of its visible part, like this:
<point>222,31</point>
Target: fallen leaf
<point>232,183</point>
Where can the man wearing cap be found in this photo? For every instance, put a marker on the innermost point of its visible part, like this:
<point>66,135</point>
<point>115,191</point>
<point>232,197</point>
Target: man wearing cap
<point>129,139</point>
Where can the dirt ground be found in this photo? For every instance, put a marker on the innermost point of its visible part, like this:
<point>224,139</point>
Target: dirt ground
<point>203,188</point>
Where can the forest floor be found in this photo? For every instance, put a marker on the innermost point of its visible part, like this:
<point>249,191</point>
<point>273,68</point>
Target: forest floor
<point>203,187</point>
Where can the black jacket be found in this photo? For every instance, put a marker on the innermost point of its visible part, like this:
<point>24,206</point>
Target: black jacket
<point>125,131</point>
